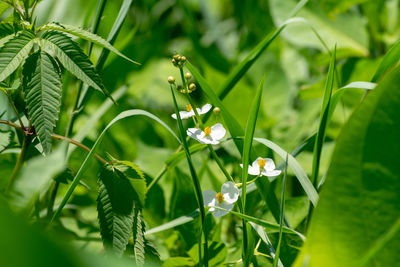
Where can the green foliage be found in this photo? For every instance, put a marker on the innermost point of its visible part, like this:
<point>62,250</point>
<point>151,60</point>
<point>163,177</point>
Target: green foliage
<point>116,201</point>
<point>14,52</point>
<point>361,188</point>
<point>73,59</point>
<point>42,91</point>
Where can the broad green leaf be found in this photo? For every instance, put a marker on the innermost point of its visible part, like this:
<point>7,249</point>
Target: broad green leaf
<point>323,121</point>
<point>89,157</point>
<point>73,59</point>
<point>14,51</point>
<point>356,222</point>
<point>42,91</point>
<point>91,37</point>
<point>347,30</point>
<point>122,187</point>
<point>390,60</point>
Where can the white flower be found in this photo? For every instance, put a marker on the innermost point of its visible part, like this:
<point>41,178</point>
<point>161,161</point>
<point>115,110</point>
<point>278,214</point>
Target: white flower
<point>210,135</point>
<point>225,199</point>
<point>263,167</point>
<point>190,112</point>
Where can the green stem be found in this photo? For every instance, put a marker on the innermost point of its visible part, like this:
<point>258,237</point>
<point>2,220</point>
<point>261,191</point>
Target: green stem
<point>196,183</point>
<point>158,177</point>
<point>21,158</point>
<point>52,199</point>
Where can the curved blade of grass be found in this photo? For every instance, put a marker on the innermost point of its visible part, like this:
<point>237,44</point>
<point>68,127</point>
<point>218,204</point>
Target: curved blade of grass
<point>248,140</point>
<point>196,183</point>
<point>272,227</point>
<point>296,168</point>
<point>176,222</point>
<point>389,61</point>
<point>323,122</point>
<point>235,130</point>
<point>89,157</point>
<point>238,72</point>
<point>112,36</point>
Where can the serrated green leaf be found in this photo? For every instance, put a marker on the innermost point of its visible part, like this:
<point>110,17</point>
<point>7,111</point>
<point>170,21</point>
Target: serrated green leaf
<point>118,197</point>
<point>91,37</point>
<point>138,238</point>
<point>5,39</point>
<point>5,140</point>
<point>42,90</point>
<point>73,59</point>
<point>14,51</point>
<point>6,28</point>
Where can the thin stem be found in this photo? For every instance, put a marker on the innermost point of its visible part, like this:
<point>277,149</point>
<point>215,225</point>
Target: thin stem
<point>220,164</point>
<point>5,91</point>
<point>21,158</point>
<point>59,137</point>
<point>282,215</point>
<point>72,141</point>
<point>196,182</point>
<point>158,177</point>
<point>52,199</point>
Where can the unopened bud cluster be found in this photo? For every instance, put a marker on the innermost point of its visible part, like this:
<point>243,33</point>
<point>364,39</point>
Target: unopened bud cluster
<point>178,60</point>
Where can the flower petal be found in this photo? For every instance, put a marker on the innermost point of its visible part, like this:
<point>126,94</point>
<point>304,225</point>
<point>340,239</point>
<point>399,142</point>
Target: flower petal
<point>209,198</point>
<point>253,170</point>
<point>230,192</point>
<point>217,131</point>
<point>194,133</point>
<point>225,205</point>
<point>204,109</point>
<point>269,164</point>
<point>271,173</point>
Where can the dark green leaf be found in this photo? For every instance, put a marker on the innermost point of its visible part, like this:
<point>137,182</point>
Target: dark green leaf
<point>42,91</point>
<point>14,52</point>
<point>73,59</point>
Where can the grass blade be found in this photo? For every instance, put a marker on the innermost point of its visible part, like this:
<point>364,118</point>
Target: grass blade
<point>196,183</point>
<point>389,61</point>
<point>248,140</point>
<point>89,157</point>
<point>323,122</point>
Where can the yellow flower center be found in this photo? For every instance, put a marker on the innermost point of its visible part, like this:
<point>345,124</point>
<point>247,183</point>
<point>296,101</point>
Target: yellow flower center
<point>261,163</point>
<point>219,197</point>
<point>188,108</point>
<point>207,130</point>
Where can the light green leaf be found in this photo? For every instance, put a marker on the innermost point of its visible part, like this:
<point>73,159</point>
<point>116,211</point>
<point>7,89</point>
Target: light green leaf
<point>42,91</point>
<point>14,51</point>
<point>356,222</point>
<point>91,37</point>
<point>73,59</point>
<point>390,60</point>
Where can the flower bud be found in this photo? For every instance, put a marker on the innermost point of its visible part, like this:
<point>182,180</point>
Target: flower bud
<point>183,58</point>
<point>179,87</point>
<point>188,76</point>
<point>171,79</point>
<point>192,87</point>
<point>176,57</point>
<point>216,111</point>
